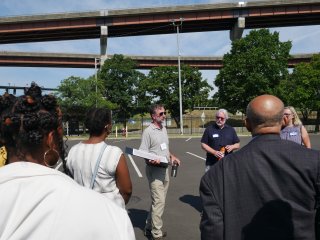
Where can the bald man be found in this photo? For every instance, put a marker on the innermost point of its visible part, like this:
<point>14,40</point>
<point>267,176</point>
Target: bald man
<point>265,191</point>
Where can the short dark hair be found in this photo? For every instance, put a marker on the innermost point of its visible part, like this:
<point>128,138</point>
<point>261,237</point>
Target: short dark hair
<point>97,119</point>
<point>154,107</point>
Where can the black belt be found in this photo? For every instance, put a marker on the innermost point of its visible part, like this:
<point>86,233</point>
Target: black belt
<point>161,165</point>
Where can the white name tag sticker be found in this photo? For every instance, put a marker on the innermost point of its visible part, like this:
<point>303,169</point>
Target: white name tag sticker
<point>163,146</point>
<point>293,134</point>
<point>215,135</point>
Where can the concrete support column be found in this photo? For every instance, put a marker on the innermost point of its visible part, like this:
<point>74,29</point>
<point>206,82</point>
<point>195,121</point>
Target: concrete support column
<point>103,43</point>
<point>237,30</point>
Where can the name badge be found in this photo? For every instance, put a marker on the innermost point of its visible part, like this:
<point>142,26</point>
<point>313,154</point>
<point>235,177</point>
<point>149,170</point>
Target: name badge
<point>293,134</point>
<point>163,146</point>
<point>215,135</point>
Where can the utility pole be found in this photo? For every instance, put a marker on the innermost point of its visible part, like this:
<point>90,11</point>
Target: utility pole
<point>178,24</point>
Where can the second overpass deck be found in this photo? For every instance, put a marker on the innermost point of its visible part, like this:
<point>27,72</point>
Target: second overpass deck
<point>29,59</point>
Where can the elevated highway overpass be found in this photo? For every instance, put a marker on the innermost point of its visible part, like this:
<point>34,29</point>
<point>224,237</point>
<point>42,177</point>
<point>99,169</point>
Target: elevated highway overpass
<point>31,59</point>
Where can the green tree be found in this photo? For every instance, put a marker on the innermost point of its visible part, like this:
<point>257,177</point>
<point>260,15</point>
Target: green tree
<point>255,65</point>
<point>302,89</point>
<point>77,94</point>
<point>163,87</point>
<point>143,99</point>
<point>121,79</point>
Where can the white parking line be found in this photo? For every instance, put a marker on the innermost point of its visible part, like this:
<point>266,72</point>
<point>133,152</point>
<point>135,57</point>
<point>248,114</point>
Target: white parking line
<point>196,156</point>
<point>188,139</point>
<point>135,166</point>
<point>117,141</point>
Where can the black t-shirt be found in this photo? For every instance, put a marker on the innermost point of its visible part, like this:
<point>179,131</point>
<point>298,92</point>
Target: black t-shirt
<point>216,138</point>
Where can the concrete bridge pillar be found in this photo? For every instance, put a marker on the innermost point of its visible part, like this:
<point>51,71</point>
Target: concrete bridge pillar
<point>103,43</point>
<point>237,30</point>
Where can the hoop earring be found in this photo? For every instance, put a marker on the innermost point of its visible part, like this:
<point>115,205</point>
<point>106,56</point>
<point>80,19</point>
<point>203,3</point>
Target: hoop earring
<point>108,130</point>
<point>52,155</point>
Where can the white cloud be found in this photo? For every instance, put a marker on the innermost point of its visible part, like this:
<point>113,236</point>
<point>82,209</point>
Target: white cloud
<point>76,46</point>
<point>144,45</point>
<point>212,43</point>
<point>304,38</point>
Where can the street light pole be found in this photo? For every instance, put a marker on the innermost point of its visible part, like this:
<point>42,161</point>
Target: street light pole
<point>96,61</point>
<point>179,72</point>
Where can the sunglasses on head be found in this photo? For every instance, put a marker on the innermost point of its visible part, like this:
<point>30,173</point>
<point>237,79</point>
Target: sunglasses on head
<point>162,113</point>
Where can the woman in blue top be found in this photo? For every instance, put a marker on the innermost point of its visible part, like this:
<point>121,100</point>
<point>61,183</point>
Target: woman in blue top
<point>293,129</point>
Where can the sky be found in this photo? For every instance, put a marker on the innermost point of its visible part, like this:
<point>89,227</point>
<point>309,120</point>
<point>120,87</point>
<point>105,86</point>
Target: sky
<point>304,40</point>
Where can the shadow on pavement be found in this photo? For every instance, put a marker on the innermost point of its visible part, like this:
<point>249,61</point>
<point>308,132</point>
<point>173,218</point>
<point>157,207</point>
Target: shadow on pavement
<point>193,201</point>
<point>138,217</point>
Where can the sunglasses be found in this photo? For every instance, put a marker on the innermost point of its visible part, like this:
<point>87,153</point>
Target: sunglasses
<point>221,118</point>
<point>162,113</point>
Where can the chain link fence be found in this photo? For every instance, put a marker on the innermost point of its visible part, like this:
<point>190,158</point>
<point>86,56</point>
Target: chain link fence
<point>135,126</point>
<point>193,125</point>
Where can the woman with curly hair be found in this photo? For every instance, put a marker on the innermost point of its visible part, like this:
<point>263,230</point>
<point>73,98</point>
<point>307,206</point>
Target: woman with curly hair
<point>6,102</point>
<point>39,202</point>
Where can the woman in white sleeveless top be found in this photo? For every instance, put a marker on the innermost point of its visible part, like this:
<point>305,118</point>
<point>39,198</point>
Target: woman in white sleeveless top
<point>113,178</point>
<point>293,129</point>
<point>39,202</point>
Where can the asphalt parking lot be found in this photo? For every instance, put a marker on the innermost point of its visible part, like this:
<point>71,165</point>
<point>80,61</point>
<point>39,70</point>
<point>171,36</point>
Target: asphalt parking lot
<point>183,206</point>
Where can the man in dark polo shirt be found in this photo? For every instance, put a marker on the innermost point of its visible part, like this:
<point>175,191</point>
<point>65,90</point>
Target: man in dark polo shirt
<point>219,139</point>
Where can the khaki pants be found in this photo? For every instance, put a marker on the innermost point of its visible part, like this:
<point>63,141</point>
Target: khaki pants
<point>158,183</point>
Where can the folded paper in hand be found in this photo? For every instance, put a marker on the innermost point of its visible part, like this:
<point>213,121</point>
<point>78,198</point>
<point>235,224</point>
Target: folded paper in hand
<point>146,155</point>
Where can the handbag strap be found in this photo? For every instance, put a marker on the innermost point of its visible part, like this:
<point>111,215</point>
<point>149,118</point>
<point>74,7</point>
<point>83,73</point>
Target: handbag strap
<point>97,165</point>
